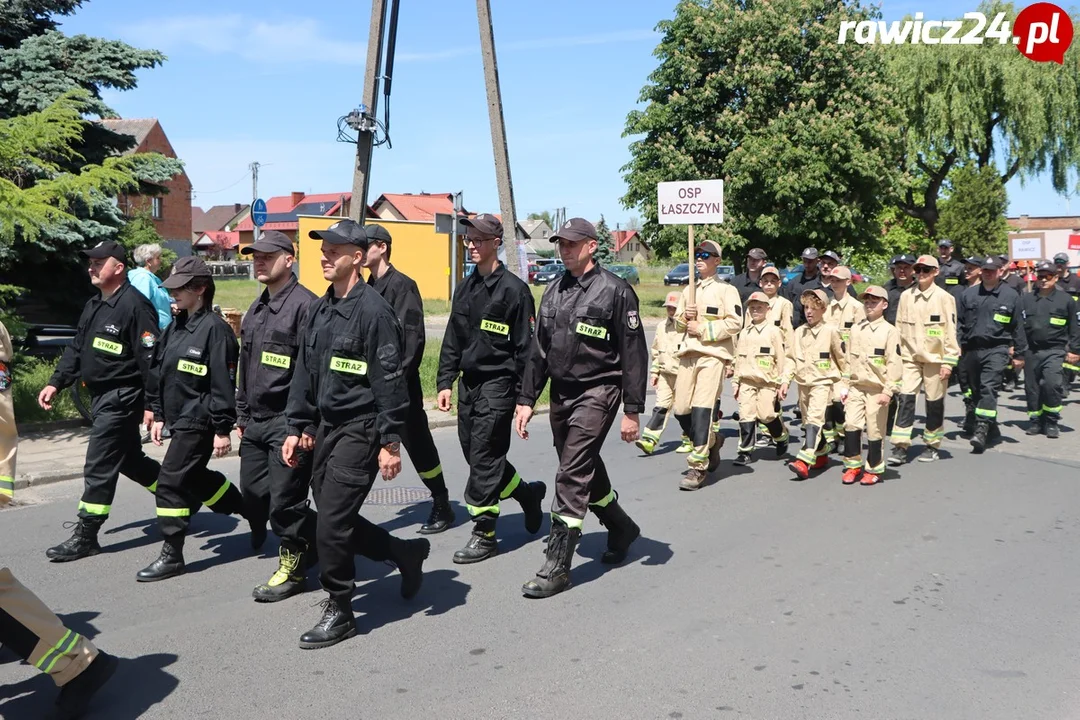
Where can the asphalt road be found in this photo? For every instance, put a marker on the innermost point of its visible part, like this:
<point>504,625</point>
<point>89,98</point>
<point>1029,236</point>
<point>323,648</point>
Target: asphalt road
<point>948,591</point>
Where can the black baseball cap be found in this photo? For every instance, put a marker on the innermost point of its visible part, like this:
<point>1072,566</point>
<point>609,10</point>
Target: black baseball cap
<point>575,229</point>
<point>757,254</point>
<point>810,253</point>
<point>343,232</point>
<point>832,256</point>
<point>903,259</point>
<point>106,249</point>
<point>973,260</point>
<point>944,242</point>
<point>1004,258</point>
<point>377,233</point>
<point>485,224</point>
<point>991,262</point>
<point>184,270</point>
<point>1045,266</point>
<point>1061,259</point>
<point>269,242</point>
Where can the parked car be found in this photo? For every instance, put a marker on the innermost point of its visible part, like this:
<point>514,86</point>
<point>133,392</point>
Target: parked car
<point>725,273</point>
<point>628,273</point>
<point>543,262</point>
<point>791,273</point>
<point>548,273</point>
<point>678,275</point>
<point>533,269</point>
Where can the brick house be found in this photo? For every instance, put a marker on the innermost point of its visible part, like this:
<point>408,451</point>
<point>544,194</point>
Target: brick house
<point>630,247</point>
<point>282,212</point>
<point>171,212</point>
<point>218,218</point>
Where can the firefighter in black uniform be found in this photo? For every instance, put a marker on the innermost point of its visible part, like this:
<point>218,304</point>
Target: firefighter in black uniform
<point>808,279</point>
<point>1013,279</point>
<point>192,388</point>
<point>951,275</point>
<point>111,353</point>
<point>269,343</point>
<point>351,381</point>
<point>590,342</point>
<point>487,343</point>
<point>401,292</point>
<point>1070,283</point>
<point>903,279</point>
<point>1052,325</point>
<point>989,317</point>
<point>972,277</point>
<point>749,282</point>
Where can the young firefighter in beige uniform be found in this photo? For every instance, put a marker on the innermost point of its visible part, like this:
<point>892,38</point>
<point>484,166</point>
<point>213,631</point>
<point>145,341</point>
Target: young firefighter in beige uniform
<point>926,320</point>
<point>9,437</point>
<point>843,313</point>
<point>711,327</point>
<point>820,364</point>
<point>875,372</point>
<point>662,371</point>
<point>763,369</point>
<point>781,312</point>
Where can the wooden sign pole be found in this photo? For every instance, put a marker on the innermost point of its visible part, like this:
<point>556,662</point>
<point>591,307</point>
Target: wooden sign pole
<point>693,265</point>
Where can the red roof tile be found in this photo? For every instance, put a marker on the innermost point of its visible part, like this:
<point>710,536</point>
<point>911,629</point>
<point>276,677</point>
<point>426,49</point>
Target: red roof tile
<point>1067,222</point>
<point>621,237</point>
<point>283,205</point>
<point>418,208</point>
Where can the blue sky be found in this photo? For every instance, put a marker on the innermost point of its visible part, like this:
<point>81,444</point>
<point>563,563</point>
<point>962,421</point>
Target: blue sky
<point>267,81</point>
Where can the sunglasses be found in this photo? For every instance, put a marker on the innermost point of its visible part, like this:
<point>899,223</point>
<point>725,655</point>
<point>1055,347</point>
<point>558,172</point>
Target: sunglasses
<point>923,270</point>
<point>1047,276</point>
<point>705,255</point>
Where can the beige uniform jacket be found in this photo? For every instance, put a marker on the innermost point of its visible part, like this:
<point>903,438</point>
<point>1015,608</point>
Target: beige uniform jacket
<point>761,357</point>
<point>927,325</point>
<point>665,348</point>
<point>720,317</point>
<point>820,355</point>
<point>874,357</point>
<point>844,314</point>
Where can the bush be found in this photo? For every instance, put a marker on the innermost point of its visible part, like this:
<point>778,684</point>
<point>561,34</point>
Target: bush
<point>32,374</point>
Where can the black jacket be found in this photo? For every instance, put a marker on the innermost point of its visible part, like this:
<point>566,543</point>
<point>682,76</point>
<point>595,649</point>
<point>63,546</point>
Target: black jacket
<point>895,290</point>
<point>951,277</point>
<point>401,292</point>
<point>269,346</point>
<point>745,286</point>
<point>193,377</point>
<point>113,345</point>
<point>350,366</point>
<point>798,285</point>
<point>1052,321</point>
<point>490,329</point>
<point>589,333</point>
<point>991,318</point>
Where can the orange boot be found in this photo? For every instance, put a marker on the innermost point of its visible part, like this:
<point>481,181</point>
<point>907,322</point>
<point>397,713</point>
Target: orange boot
<point>801,469</point>
<point>851,475</point>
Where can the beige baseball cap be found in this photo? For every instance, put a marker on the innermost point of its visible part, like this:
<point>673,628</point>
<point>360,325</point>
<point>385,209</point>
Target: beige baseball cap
<point>876,291</point>
<point>757,296</point>
<point>841,272</point>
<point>672,299</point>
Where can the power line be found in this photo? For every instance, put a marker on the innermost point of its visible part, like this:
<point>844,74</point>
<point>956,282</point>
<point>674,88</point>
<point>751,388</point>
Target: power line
<point>242,178</point>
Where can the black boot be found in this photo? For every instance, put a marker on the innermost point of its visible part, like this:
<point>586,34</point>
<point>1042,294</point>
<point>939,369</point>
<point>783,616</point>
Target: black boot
<point>531,496</point>
<point>409,556</point>
<point>75,695</point>
<point>170,562</point>
<point>288,580</point>
<point>969,423</point>
<point>1035,426</point>
<point>337,624</point>
<point>979,438</point>
<point>82,543</point>
<point>258,534</point>
<point>622,531</point>
<point>779,436</point>
<point>441,517</point>
<point>714,453</point>
<point>994,433</point>
<point>482,544</point>
<point>1052,430</point>
<point>554,576</point>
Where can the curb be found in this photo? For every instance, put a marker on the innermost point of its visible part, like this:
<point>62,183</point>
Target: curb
<point>36,479</point>
<point>51,425</point>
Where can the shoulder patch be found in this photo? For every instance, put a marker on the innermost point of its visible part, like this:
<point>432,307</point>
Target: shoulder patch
<point>388,357</point>
<point>632,320</point>
<point>5,377</point>
<point>148,339</point>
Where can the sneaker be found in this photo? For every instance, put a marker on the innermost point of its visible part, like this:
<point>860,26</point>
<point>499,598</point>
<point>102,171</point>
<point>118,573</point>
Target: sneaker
<point>898,455</point>
<point>870,479</point>
<point>743,458</point>
<point>645,445</point>
<point>1034,428</point>
<point>850,476</point>
<point>801,469</point>
<point>763,440</point>
<point>929,455</point>
<point>685,447</point>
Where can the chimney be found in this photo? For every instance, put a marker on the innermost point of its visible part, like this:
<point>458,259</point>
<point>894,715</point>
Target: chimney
<point>297,198</point>
<point>237,207</point>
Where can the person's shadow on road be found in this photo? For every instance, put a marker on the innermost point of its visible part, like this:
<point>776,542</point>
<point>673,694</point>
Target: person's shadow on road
<point>416,514</point>
<point>379,602</point>
<point>593,545</point>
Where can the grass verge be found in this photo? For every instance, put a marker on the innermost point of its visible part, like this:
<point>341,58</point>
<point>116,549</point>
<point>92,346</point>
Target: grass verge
<point>31,375</point>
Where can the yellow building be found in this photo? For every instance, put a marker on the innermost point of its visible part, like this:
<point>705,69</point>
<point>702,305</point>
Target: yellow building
<point>417,250</point>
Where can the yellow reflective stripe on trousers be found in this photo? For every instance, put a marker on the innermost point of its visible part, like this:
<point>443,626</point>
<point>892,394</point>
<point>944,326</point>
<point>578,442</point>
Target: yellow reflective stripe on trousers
<point>605,501</point>
<point>174,512</point>
<point>986,413</point>
<point>428,474</point>
<point>475,510</point>
<point>94,508</point>
<point>510,487</point>
<point>7,486</point>
<point>1046,409</point>
<point>572,523</point>
<point>66,645</point>
<point>153,488</point>
<point>217,496</point>
<point>698,457</point>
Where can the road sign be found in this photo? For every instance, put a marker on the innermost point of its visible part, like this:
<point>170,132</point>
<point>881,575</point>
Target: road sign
<point>695,202</point>
<point>258,212</point>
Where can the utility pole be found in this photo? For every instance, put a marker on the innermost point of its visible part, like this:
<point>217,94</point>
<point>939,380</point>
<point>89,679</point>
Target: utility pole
<point>254,196</point>
<point>366,133</point>
<point>498,136</point>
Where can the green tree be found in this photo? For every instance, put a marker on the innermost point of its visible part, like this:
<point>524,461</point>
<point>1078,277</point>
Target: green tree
<point>545,216</point>
<point>802,129</point>
<point>984,104</point>
<point>605,247</point>
<point>973,216</point>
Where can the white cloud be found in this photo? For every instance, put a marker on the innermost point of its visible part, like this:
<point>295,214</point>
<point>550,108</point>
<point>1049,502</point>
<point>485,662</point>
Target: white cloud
<point>292,40</point>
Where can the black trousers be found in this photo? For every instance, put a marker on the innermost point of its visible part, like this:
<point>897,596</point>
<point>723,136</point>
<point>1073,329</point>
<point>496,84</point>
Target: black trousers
<point>273,490</point>
<point>115,449</point>
<point>986,375</point>
<point>185,480</point>
<point>485,420</point>
<point>580,421</point>
<point>345,465</point>
<point>963,379</point>
<point>1044,378</point>
<point>418,441</point>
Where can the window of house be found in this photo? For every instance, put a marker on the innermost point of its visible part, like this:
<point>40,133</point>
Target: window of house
<point>155,208</point>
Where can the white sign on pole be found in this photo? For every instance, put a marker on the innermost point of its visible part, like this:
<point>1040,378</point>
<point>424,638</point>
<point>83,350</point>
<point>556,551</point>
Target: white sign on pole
<point>1026,247</point>
<point>695,202</point>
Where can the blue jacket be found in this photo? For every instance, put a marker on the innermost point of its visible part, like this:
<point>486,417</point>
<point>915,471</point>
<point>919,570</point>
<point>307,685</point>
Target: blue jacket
<point>149,285</point>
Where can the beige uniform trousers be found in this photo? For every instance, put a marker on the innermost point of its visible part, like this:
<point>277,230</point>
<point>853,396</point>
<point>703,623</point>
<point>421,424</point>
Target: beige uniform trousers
<point>697,387</point>
<point>34,632</point>
<point>813,400</point>
<point>757,402</point>
<point>665,396</point>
